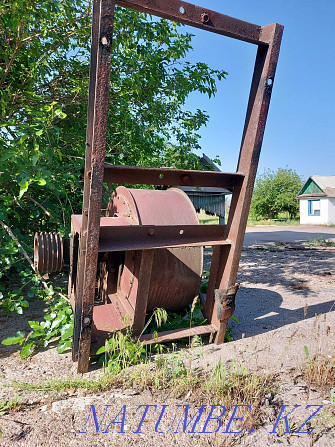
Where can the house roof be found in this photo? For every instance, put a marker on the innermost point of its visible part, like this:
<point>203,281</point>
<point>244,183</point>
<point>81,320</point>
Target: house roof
<point>319,186</point>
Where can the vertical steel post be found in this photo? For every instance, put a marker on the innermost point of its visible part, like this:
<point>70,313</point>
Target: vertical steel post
<point>225,261</point>
<point>101,41</point>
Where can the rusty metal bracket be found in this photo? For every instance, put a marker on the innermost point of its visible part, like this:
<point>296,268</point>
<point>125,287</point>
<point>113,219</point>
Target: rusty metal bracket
<point>225,302</point>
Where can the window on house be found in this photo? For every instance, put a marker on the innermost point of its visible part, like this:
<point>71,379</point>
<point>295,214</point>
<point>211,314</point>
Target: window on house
<point>314,207</point>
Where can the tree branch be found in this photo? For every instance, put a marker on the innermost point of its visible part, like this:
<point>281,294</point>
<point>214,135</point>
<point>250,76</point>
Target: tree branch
<point>39,205</point>
<point>16,50</point>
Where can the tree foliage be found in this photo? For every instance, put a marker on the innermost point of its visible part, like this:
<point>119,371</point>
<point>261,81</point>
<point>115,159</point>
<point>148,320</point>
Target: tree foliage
<point>275,192</point>
<point>44,70</point>
<point>44,56</point>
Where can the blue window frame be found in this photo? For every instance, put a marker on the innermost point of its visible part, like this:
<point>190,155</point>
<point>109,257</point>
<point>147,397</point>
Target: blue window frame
<point>314,207</point>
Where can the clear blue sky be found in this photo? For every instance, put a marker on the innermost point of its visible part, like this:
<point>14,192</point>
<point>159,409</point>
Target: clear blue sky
<point>300,132</point>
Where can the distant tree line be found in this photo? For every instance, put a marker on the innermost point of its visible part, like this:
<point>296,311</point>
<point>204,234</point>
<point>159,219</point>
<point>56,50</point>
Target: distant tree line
<point>275,193</point>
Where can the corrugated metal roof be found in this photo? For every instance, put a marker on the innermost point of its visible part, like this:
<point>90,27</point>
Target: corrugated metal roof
<point>205,190</point>
<point>330,192</point>
<point>326,183</point>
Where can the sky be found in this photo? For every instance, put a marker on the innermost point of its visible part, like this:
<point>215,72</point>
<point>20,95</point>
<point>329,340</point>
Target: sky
<point>300,131</point>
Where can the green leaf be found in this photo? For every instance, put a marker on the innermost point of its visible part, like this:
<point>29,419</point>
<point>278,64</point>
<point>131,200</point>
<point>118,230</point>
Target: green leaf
<point>60,113</point>
<point>27,350</point>
<point>35,325</point>
<point>66,331</point>
<point>23,187</point>
<point>57,321</point>
<point>18,338</point>
<point>35,158</point>
<point>101,350</point>
<point>64,346</point>
<point>307,353</point>
<point>45,324</point>
<point>51,106</point>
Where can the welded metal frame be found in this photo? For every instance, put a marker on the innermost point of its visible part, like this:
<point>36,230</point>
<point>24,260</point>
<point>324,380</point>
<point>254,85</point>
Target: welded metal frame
<point>220,301</point>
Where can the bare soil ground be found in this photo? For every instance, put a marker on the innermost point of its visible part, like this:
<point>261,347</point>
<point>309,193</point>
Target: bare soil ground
<point>286,302</point>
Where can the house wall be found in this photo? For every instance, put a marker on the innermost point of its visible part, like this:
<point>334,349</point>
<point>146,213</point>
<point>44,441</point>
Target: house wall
<point>331,211</point>
<point>323,219</point>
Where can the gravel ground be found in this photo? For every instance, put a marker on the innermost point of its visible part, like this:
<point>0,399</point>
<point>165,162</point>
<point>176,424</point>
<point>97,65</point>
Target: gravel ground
<point>286,301</point>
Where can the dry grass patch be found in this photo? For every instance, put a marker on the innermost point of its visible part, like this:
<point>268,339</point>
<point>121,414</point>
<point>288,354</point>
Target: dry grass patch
<point>169,374</point>
<point>319,370</point>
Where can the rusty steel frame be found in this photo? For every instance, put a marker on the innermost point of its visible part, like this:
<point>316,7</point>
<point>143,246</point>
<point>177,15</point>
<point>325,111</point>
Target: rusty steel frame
<point>220,301</point>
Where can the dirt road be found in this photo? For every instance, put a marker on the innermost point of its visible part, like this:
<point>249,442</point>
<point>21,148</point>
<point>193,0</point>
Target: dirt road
<point>265,234</point>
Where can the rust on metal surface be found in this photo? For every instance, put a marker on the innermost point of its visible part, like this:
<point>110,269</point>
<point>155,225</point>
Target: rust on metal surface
<point>48,252</point>
<point>170,177</point>
<point>102,32</point>
<point>132,279</point>
<point>116,237</point>
<point>225,260</point>
<point>199,17</point>
<point>176,272</point>
<point>167,336</point>
<point>129,244</point>
<point>205,18</point>
<point>143,290</point>
<point>225,302</point>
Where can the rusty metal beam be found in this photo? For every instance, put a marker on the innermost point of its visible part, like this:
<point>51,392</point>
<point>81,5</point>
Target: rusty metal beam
<point>225,259</point>
<point>114,237</point>
<point>167,336</point>
<point>143,237</point>
<point>199,17</point>
<point>101,40</point>
<point>170,177</point>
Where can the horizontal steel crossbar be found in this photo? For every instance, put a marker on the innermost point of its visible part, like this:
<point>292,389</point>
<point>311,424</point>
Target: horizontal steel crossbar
<point>136,175</point>
<point>142,237</point>
<point>199,17</point>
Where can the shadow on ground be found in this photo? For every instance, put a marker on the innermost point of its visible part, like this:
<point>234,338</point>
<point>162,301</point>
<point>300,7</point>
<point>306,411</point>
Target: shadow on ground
<point>293,270</point>
<point>258,311</point>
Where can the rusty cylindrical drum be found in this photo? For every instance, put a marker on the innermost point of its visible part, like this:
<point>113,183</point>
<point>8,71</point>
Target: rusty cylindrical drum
<point>176,272</point>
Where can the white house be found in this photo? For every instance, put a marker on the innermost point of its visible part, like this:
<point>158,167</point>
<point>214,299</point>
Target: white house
<point>317,201</point>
